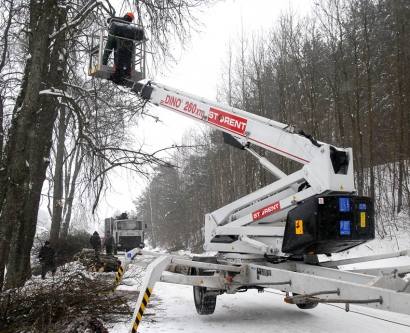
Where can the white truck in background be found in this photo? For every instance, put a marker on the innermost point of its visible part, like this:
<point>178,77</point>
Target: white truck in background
<point>128,233</point>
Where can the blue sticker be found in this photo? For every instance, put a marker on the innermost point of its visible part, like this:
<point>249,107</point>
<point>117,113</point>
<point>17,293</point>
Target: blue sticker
<point>344,227</point>
<point>344,205</point>
<point>362,206</point>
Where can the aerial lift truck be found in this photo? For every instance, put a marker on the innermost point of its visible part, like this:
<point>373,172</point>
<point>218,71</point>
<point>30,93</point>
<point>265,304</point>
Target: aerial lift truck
<point>276,236</point>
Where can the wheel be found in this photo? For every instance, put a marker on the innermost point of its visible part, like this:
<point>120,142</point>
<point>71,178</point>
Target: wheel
<point>204,301</point>
<point>204,304</point>
<point>307,306</point>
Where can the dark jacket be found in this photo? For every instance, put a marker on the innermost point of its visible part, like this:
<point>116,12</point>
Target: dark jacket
<point>95,241</point>
<point>121,36</point>
<point>119,18</point>
<point>46,254</point>
<point>109,241</point>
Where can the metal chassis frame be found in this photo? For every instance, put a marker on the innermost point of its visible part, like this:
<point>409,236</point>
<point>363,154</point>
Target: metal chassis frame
<point>302,283</point>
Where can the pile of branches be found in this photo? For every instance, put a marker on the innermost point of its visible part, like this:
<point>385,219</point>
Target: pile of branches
<point>100,263</point>
<point>54,305</point>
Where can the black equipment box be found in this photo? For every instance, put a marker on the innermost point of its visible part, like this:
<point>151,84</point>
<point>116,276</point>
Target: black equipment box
<point>126,30</point>
<point>328,224</point>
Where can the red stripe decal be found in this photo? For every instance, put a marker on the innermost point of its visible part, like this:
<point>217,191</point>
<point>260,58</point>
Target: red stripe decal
<point>281,151</point>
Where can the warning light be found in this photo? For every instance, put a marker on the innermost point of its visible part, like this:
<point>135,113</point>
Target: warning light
<point>344,227</point>
<point>362,219</point>
<point>299,227</point>
<point>344,205</point>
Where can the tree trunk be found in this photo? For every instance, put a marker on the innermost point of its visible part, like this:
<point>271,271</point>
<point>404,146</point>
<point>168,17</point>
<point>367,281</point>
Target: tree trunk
<point>369,88</point>
<point>3,60</point>
<point>19,188</point>
<point>400,42</point>
<point>1,130</point>
<point>68,206</point>
<point>31,132</point>
<point>58,179</point>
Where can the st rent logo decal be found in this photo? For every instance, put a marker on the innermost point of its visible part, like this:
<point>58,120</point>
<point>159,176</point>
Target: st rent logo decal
<point>228,121</point>
<point>266,211</point>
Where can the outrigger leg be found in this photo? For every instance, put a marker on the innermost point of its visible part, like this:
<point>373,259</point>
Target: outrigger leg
<point>152,275</point>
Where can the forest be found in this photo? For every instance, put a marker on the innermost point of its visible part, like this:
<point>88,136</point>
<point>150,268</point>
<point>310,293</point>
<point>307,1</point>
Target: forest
<point>341,74</point>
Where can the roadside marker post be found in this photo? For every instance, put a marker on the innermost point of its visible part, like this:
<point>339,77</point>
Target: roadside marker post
<point>152,275</point>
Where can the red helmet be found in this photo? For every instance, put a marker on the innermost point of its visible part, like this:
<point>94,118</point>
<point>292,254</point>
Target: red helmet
<point>130,16</point>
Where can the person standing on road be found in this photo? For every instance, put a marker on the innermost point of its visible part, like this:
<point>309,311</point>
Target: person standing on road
<point>47,260</point>
<point>109,244</point>
<point>95,242</point>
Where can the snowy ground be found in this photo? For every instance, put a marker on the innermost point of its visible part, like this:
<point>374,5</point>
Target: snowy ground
<point>172,309</point>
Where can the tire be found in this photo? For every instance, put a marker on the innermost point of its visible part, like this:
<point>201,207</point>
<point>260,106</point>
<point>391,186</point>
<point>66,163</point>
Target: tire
<point>307,306</point>
<point>204,304</point>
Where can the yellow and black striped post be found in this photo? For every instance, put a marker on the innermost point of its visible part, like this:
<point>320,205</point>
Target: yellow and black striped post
<point>141,310</point>
<point>118,276</point>
<point>152,275</point>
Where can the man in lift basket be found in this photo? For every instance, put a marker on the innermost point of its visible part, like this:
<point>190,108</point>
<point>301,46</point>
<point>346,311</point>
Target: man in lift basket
<point>122,36</point>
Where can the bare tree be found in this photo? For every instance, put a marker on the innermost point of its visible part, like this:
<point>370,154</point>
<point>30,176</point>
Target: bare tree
<point>51,85</point>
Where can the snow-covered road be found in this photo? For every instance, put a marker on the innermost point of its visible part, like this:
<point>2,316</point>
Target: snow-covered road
<point>172,310</point>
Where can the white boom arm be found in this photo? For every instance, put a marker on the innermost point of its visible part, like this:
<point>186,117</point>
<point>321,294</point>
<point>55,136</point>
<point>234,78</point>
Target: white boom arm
<point>247,127</point>
<point>255,220</point>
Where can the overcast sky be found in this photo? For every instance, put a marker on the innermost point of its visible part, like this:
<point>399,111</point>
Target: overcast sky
<point>197,71</point>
